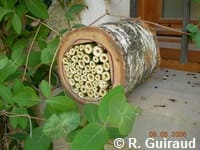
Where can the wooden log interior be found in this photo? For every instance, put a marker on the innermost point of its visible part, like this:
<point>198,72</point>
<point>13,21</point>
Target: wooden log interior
<point>128,55</point>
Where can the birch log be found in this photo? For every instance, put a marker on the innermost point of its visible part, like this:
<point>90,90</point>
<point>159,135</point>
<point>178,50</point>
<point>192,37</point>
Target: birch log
<point>116,53</point>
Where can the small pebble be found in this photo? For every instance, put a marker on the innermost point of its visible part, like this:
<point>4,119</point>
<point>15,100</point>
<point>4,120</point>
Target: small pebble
<point>188,73</point>
<point>159,105</point>
<point>172,100</point>
<point>173,75</point>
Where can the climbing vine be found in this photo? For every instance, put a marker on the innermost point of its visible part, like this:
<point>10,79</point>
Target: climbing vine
<point>26,64</point>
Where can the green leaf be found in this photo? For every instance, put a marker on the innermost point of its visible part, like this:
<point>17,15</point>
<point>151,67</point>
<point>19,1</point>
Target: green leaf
<point>19,44</point>
<point>8,70</point>
<point>90,112</point>
<point>18,136</point>
<point>59,104</point>
<point>116,112</point>
<point>21,9</point>
<point>45,89</point>
<point>114,133</point>
<point>34,59</point>
<point>197,1</point>
<point>196,39</point>
<point>73,10</point>
<point>117,94</point>
<point>8,3</point>
<point>17,87</point>
<point>3,12</point>
<point>3,61</point>
<point>48,53</point>
<point>126,119</point>
<point>1,105</point>
<point>26,98</point>
<point>37,8</point>
<point>192,28</point>
<point>17,52</point>
<point>21,121</point>
<point>62,31</point>
<point>93,136</point>
<point>61,125</point>
<point>5,93</point>
<point>72,135</point>
<point>195,33</point>
<point>16,23</point>
<point>38,141</point>
<point>78,25</point>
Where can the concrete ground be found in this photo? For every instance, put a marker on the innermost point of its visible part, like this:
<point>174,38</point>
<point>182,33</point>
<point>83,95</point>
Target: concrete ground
<point>170,102</point>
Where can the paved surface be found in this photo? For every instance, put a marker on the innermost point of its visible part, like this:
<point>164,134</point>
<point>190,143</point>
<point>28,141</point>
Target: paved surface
<point>170,102</point>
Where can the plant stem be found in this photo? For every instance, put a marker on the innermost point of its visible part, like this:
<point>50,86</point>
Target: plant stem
<point>44,24</point>
<point>54,57</point>
<point>29,51</point>
<point>10,114</point>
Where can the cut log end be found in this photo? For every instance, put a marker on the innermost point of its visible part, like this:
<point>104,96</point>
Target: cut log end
<point>94,69</point>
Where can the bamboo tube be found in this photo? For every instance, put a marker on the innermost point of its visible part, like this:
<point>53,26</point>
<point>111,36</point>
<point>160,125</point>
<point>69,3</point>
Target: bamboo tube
<point>97,77</point>
<point>76,77</point>
<point>73,70</point>
<point>80,54</point>
<point>90,77</point>
<point>96,95</point>
<point>81,82</point>
<point>83,78</point>
<point>88,85</point>
<point>74,59</point>
<point>103,84</point>
<point>71,82</point>
<point>103,58</point>
<point>82,47</point>
<point>65,61</point>
<point>92,64</point>
<point>67,69</point>
<point>81,63</point>
<point>99,69</point>
<point>75,90</point>
<point>102,92</point>
<point>77,85</point>
<point>67,55</point>
<point>80,94</point>
<point>95,59</point>
<point>97,51</point>
<point>69,74</point>
<point>83,89</point>
<point>72,51</point>
<point>88,49</point>
<point>76,48</point>
<point>86,59</point>
<point>105,76</point>
<point>87,68</point>
<point>90,93</point>
<point>106,66</point>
